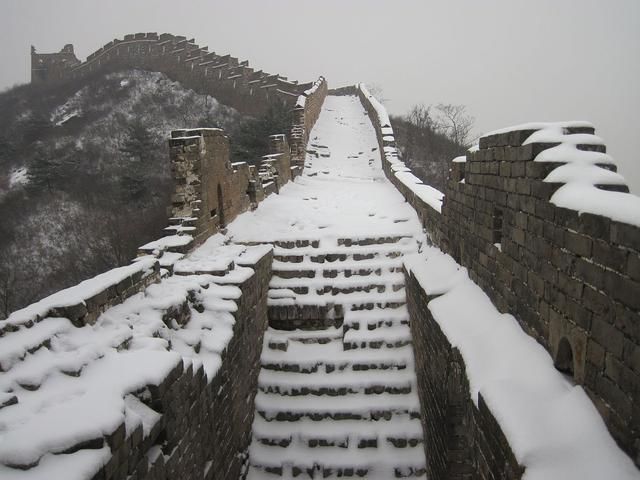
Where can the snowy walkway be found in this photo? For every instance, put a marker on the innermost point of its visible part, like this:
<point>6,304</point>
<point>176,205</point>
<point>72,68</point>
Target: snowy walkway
<point>337,401</point>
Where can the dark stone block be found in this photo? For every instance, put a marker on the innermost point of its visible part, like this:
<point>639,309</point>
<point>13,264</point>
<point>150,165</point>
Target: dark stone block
<point>633,266</point>
<point>623,289</point>
<point>607,335</point>
<point>609,255</point>
<point>596,301</point>
<point>625,235</point>
<point>578,244</point>
<point>589,272</point>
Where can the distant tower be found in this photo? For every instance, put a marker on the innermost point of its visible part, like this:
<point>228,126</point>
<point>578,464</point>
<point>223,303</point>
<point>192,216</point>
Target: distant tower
<point>47,67</point>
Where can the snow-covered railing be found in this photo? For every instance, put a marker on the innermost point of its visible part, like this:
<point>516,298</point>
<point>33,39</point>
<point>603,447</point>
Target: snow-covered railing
<point>83,303</point>
<point>425,199</point>
<point>518,410</point>
<point>580,165</point>
<point>158,386</point>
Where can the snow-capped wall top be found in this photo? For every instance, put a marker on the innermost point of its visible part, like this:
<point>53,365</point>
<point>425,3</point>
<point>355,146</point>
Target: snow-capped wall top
<point>586,174</point>
<point>383,117</point>
<point>302,99</point>
<point>534,126</point>
<point>79,295</point>
<point>591,184</point>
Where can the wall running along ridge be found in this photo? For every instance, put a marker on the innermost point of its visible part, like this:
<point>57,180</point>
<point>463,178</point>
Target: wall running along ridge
<point>205,415</point>
<point>224,77</point>
<point>571,279</point>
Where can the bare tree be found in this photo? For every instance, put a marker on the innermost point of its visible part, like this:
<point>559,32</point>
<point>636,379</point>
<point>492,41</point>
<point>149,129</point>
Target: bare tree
<point>454,122</point>
<point>420,116</point>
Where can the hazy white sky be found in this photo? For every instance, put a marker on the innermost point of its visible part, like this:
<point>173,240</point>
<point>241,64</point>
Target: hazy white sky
<point>509,61</point>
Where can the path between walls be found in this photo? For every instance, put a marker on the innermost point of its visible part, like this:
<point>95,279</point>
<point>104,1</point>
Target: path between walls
<point>339,400</point>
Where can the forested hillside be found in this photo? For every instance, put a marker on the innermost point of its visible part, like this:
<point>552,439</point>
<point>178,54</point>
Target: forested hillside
<point>85,173</point>
<point>429,137</point>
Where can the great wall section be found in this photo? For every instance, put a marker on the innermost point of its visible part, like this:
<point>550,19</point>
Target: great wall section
<point>325,314</point>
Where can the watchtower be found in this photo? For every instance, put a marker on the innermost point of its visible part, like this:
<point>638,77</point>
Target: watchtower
<point>47,67</point>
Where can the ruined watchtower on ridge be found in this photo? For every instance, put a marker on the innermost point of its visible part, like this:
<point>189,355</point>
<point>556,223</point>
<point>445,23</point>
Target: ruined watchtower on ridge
<point>52,66</point>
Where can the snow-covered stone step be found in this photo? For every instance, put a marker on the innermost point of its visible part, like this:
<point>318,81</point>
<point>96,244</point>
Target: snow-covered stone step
<point>335,383</point>
<point>400,432</point>
<point>343,282</point>
<point>295,244</point>
<point>355,406</point>
<point>293,273</point>
<point>373,240</point>
<point>375,318</point>
<point>359,360</point>
<point>348,286</point>
<point>357,300</point>
<point>342,462</point>
<point>342,253</point>
<point>383,264</point>
<point>281,339</point>
<point>288,472</point>
<point>326,345</point>
<point>390,337</point>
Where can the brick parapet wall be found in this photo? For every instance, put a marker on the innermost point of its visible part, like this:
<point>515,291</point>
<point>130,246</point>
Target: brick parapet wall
<point>463,440</point>
<point>572,280</point>
<point>210,191</point>
<point>84,303</point>
<point>224,77</point>
<point>305,114</point>
<point>205,425</point>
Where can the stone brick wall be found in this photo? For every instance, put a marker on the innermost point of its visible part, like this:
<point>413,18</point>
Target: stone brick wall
<point>224,77</point>
<point>210,191</point>
<point>305,114</point>
<point>46,67</point>
<point>462,440</point>
<point>84,303</point>
<point>205,426</point>
<point>572,280</point>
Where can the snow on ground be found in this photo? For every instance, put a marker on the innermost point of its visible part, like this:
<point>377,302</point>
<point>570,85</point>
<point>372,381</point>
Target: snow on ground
<point>343,191</point>
<point>344,200</point>
<point>55,374</point>
<point>553,428</point>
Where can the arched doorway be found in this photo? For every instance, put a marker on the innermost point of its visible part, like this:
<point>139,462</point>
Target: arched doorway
<point>564,357</point>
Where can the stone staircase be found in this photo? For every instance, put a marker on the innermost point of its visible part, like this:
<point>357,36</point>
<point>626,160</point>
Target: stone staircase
<point>337,393</point>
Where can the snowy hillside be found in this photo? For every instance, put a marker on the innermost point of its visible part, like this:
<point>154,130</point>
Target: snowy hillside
<point>85,177</point>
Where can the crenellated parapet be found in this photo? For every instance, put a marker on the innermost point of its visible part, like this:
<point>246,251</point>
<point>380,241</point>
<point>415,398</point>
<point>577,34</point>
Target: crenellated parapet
<point>228,79</point>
